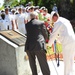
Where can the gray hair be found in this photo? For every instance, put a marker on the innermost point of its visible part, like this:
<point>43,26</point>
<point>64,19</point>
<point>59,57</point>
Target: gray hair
<point>33,15</point>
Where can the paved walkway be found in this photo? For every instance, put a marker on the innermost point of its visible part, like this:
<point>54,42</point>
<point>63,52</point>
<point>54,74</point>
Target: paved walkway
<point>56,70</point>
<point>53,68</point>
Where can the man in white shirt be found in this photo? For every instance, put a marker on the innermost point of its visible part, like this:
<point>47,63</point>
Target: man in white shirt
<point>63,28</point>
<point>20,21</point>
<point>5,21</point>
<point>3,25</point>
<point>13,16</point>
<point>8,17</point>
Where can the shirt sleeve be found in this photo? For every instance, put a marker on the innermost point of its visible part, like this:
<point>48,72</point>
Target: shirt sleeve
<point>44,31</point>
<point>16,17</point>
<point>54,34</point>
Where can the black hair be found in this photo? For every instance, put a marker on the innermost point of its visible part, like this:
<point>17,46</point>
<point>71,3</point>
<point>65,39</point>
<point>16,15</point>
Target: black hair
<point>55,14</point>
<point>3,16</point>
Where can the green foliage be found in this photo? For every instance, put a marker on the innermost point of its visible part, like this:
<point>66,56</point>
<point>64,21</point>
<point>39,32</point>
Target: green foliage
<point>67,9</point>
<point>2,8</point>
<point>71,1</point>
<point>40,2</point>
<point>23,2</point>
<point>14,3</point>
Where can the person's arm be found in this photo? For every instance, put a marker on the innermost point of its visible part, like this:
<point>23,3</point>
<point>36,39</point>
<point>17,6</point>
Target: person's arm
<point>16,17</point>
<point>55,33</point>
<point>25,21</point>
<point>12,25</point>
<point>16,24</point>
<point>44,31</point>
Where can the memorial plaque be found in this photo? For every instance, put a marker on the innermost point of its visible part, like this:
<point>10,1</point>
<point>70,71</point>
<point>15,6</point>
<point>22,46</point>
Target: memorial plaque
<point>14,37</point>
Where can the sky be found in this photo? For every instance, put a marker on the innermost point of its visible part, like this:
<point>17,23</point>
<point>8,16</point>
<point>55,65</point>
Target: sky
<point>1,2</point>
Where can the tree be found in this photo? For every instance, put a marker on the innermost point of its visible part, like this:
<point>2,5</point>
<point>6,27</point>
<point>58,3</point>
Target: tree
<point>67,9</point>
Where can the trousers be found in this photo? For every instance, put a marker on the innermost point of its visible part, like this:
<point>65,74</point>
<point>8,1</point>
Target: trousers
<point>68,57</point>
<point>41,56</point>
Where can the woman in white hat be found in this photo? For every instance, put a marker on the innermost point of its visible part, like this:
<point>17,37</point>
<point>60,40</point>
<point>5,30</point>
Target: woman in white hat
<point>64,28</point>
